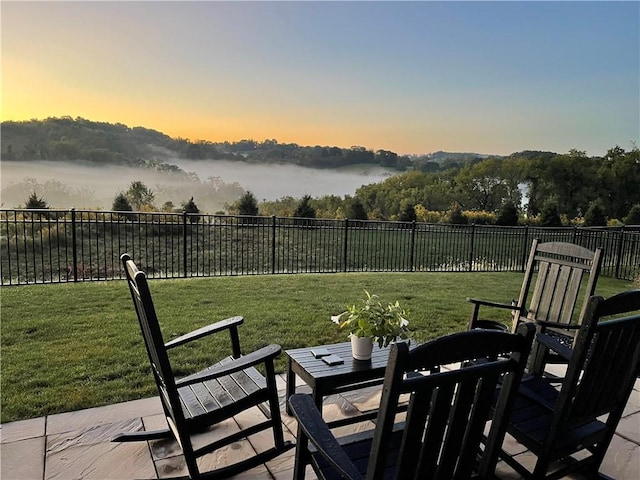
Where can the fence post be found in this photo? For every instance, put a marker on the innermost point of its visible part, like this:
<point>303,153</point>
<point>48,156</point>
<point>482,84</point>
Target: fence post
<point>344,249</point>
<point>525,249</point>
<point>74,244</point>
<point>472,246</point>
<point>273,244</point>
<point>413,246</point>
<point>619,252</point>
<point>184,242</point>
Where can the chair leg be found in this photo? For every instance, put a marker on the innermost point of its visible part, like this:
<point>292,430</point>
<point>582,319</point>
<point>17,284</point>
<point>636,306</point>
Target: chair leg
<point>274,408</point>
<point>301,456</point>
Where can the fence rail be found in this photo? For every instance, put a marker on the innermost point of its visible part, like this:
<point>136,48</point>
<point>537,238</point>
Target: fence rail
<point>54,246</point>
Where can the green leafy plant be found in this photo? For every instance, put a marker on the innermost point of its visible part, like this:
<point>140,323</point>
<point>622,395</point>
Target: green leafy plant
<point>382,323</point>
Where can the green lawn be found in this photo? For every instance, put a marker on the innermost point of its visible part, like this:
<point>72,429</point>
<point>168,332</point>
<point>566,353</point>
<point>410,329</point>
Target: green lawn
<point>71,346</point>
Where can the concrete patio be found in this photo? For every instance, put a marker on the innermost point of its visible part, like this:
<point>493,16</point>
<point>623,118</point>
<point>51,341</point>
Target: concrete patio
<point>75,445</point>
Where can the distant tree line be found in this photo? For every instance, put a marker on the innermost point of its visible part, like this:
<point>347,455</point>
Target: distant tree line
<point>561,189</point>
<point>564,189</point>
<point>68,139</point>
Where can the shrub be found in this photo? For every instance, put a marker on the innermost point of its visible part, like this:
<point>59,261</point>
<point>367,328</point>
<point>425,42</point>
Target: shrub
<point>428,216</point>
<point>191,207</point>
<point>408,213</point>
<point>454,215</point>
<point>481,217</point>
<point>633,217</point>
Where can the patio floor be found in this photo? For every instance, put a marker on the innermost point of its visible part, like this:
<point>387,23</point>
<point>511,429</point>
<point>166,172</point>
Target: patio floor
<point>75,445</point>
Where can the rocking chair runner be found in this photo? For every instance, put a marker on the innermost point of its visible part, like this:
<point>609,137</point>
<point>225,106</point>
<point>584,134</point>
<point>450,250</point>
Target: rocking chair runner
<point>559,269</point>
<point>197,401</point>
<point>446,416</point>
<point>584,414</point>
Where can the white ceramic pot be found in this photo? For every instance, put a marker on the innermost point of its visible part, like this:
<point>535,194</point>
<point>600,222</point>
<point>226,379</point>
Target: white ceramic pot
<point>361,347</point>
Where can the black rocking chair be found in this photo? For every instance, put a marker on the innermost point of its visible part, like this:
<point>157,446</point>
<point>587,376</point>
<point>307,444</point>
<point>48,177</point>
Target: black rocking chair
<point>447,413</point>
<point>574,426</point>
<point>193,403</point>
<point>565,277</point>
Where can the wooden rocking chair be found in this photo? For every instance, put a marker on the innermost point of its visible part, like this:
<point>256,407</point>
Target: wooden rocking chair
<point>582,417</point>
<point>197,401</point>
<point>560,270</point>
<point>447,413</point>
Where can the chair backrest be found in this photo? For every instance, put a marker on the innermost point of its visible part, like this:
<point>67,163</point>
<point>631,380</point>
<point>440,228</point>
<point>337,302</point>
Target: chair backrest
<point>561,268</point>
<point>448,410</point>
<point>604,365</point>
<point>153,340</point>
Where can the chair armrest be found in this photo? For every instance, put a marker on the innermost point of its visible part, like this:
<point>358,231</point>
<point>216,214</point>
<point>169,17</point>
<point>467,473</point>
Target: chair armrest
<point>316,430</point>
<point>263,355</point>
<point>552,344</point>
<point>488,303</point>
<point>561,326</point>
<point>474,322</point>
<point>204,331</point>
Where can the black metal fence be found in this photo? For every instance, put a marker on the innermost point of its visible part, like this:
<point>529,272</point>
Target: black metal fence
<point>44,246</point>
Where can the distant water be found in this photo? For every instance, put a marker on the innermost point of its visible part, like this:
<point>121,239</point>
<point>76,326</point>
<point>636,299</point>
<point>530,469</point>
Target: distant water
<point>271,182</point>
<point>86,186</point>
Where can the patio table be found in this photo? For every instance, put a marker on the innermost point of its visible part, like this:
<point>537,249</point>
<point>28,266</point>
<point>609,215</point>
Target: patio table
<point>331,379</point>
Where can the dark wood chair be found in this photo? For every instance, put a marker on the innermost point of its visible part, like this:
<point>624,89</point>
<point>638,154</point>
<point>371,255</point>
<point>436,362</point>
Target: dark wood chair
<point>193,403</point>
<point>583,415</point>
<point>447,413</point>
<point>564,273</point>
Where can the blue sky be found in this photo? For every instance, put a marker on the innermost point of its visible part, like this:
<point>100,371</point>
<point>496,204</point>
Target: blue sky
<point>411,77</point>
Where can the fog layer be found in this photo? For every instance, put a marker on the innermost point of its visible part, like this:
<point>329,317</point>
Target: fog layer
<point>215,183</point>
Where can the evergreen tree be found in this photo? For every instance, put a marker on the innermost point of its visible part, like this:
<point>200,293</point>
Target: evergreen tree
<point>247,204</point>
<point>355,209</point>
<point>35,202</point>
<point>121,203</point>
<point>191,207</point>
<point>550,215</point>
<point>595,215</point>
<point>508,214</point>
<point>408,213</point>
<point>633,217</point>
<point>304,208</point>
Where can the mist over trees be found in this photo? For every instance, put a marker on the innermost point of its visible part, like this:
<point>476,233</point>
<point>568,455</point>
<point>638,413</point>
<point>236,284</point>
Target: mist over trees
<point>68,139</point>
<point>529,186</point>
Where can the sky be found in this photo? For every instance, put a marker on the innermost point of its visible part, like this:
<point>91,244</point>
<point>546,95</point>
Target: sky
<point>410,77</point>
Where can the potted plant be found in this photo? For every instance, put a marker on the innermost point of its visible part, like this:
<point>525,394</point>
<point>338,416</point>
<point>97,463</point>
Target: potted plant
<point>370,322</point>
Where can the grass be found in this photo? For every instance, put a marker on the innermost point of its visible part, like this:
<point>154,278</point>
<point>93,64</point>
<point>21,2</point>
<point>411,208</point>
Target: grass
<point>72,346</point>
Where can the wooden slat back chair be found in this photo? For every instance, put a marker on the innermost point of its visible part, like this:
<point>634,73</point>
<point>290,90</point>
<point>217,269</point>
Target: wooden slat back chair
<point>562,271</point>
<point>197,401</point>
<point>447,412</point>
<point>583,415</point>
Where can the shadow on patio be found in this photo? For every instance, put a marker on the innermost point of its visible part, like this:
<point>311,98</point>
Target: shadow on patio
<point>75,445</point>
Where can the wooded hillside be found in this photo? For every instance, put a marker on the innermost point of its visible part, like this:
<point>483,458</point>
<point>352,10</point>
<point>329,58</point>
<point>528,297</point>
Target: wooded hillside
<point>65,139</point>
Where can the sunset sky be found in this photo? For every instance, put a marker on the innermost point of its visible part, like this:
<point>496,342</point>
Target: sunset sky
<point>411,77</point>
